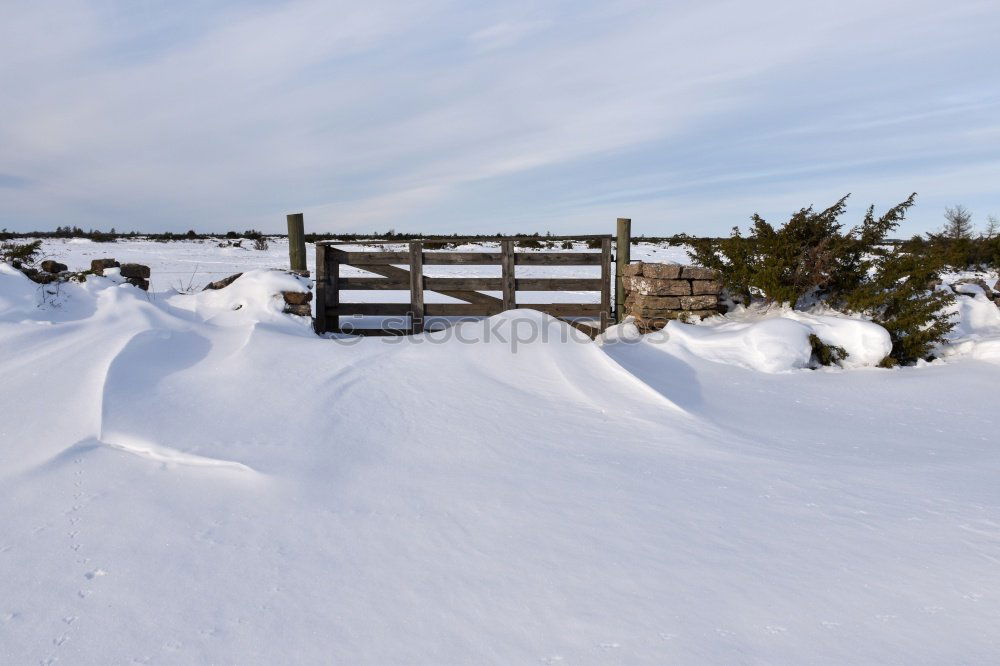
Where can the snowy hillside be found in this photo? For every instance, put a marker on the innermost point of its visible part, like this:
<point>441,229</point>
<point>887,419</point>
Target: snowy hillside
<point>185,482</point>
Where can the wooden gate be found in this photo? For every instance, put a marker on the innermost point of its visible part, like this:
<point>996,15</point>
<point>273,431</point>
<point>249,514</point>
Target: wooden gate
<point>387,274</point>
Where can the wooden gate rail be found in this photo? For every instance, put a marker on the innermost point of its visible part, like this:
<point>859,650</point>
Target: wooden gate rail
<point>329,284</point>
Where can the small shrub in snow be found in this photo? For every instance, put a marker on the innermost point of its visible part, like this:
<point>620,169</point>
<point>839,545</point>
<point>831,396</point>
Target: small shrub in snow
<point>260,243</point>
<point>20,255</point>
<point>824,354</point>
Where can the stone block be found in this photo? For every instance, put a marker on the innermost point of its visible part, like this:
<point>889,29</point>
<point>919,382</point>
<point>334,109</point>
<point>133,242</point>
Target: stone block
<point>50,266</point>
<point>654,287</point>
<point>635,299</point>
<point>702,302</point>
<point>699,287</point>
<point>662,271</point>
<point>646,313</point>
<point>97,266</point>
<point>698,273</point>
<point>632,270</point>
<point>302,310</point>
<point>297,297</point>
<point>134,271</point>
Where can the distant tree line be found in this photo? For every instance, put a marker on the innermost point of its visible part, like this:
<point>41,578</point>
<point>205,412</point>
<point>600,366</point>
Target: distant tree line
<point>113,235</point>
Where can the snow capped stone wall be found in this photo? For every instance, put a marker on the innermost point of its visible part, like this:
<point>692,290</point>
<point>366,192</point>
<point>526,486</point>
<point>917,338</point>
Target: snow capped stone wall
<point>658,293</point>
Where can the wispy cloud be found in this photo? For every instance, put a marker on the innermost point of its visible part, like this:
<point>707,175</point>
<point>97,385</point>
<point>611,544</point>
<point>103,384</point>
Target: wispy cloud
<point>503,34</point>
<point>445,116</point>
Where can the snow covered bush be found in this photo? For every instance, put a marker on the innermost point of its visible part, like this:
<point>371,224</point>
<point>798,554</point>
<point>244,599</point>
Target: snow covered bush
<point>20,255</point>
<point>810,259</point>
<point>826,354</point>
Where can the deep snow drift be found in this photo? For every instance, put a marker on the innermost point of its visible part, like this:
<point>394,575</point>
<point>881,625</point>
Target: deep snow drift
<point>185,482</point>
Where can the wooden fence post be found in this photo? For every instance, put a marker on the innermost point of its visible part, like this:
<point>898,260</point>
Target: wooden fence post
<point>322,285</point>
<point>605,283</point>
<point>622,257</point>
<point>334,258</point>
<point>416,287</point>
<point>297,243</point>
<point>507,274</point>
<point>328,260</point>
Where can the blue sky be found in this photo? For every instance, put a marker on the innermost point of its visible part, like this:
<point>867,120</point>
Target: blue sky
<point>468,117</point>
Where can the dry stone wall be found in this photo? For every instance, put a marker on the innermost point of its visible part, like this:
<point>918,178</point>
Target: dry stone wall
<point>657,293</point>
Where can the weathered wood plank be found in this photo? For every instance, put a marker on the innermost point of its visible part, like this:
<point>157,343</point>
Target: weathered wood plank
<point>475,258</point>
<point>496,284</point>
<point>334,258</point>
<point>370,309</point>
<point>464,309</point>
<point>558,258</point>
<point>319,323</point>
<point>474,284</point>
<point>479,310</point>
<point>564,309</point>
<point>521,258</point>
<point>606,283</point>
<point>374,331</point>
<point>416,287</point>
<point>558,284</point>
<point>462,258</point>
<point>402,275</point>
<point>372,283</point>
<point>507,274</point>
<point>376,258</point>
<point>469,239</point>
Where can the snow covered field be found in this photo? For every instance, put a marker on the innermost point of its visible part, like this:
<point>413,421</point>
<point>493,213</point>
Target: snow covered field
<point>184,483</point>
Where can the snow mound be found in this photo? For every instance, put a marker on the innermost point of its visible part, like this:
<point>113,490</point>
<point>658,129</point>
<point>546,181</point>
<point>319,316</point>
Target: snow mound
<point>771,345</point>
<point>969,289</point>
<point>253,297</point>
<point>626,331</point>
<point>977,326</point>
<point>775,340</point>
<point>974,313</point>
<point>18,294</point>
<point>866,342</point>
